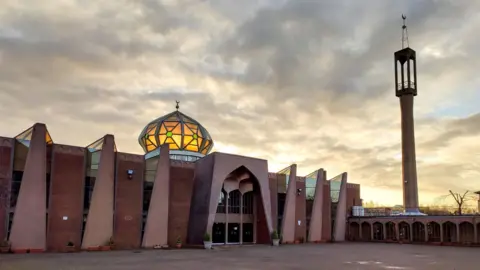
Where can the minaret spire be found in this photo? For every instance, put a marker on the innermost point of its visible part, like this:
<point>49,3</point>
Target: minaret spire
<point>404,33</point>
<point>178,106</point>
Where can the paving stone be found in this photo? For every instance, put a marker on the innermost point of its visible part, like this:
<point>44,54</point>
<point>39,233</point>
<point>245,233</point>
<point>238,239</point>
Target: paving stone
<point>322,256</point>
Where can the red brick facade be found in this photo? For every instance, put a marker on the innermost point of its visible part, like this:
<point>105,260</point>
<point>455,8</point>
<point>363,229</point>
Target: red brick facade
<point>66,197</point>
<point>327,213</point>
<point>301,211</point>
<point>69,166</point>
<point>6,157</point>
<point>181,186</point>
<point>273,182</point>
<point>128,201</point>
<point>263,235</point>
<point>353,196</point>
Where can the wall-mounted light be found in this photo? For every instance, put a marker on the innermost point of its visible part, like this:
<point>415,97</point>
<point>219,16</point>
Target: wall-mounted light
<point>299,191</point>
<point>130,174</point>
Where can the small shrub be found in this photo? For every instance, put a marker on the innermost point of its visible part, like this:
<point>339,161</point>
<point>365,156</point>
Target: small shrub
<point>206,237</point>
<point>275,235</point>
<point>70,244</point>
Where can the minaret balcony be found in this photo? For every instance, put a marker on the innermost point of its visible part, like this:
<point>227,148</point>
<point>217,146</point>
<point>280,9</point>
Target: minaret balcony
<point>406,88</point>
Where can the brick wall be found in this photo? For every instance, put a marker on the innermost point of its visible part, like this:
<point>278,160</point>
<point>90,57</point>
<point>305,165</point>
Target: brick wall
<point>200,200</point>
<point>273,184</point>
<point>353,197</point>
<point>181,187</point>
<point>6,153</point>
<point>300,211</point>
<point>66,197</point>
<point>128,201</point>
<point>263,235</point>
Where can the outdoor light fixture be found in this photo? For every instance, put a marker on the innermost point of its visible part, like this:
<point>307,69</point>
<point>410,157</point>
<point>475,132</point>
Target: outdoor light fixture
<point>130,174</point>
<point>299,191</point>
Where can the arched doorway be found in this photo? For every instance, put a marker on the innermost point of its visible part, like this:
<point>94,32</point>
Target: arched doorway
<point>418,232</point>
<point>235,217</point>
<point>378,231</point>
<point>478,232</point>
<point>354,231</point>
<point>404,231</point>
<point>449,232</point>
<point>467,233</point>
<point>390,231</point>
<point>433,230</point>
<point>366,231</point>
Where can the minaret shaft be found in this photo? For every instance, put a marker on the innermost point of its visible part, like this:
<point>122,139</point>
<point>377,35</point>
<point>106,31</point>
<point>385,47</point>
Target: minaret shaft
<point>409,163</point>
<point>406,89</point>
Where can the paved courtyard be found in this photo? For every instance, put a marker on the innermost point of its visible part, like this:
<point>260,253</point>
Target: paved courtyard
<point>325,256</point>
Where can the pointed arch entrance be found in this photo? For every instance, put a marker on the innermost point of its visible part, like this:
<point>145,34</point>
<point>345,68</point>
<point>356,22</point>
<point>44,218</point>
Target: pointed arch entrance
<point>366,231</point>
<point>219,172</point>
<point>378,231</point>
<point>354,231</point>
<point>391,232</point>
<point>403,231</point>
<point>235,218</point>
<point>478,232</point>
<point>449,232</point>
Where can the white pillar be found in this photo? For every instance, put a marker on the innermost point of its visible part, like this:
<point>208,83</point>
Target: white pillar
<point>241,218</point>
<point>226,216</point>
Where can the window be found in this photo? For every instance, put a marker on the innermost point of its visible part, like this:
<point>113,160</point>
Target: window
<point>88,192</point>
<point>147,195</point>
<point>10,221</point>
<point>16,182</point>
<point>221,203</point>
<point>310,184</point>
<point>95,160</point>
<point>148,182</point>
<point>144,221</point>
<point>247,207</point>
<point>234,202</point>
<point>84,223</point>
<point>280,209</point>
<point>335,184</point>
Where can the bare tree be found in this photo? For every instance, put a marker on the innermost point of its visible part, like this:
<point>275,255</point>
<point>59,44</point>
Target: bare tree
<point>461,199</point>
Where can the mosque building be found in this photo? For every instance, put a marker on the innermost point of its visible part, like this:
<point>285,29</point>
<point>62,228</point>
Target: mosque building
<point>53,194</point>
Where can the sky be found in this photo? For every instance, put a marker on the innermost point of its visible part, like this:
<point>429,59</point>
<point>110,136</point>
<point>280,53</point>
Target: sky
<point>290,81</point>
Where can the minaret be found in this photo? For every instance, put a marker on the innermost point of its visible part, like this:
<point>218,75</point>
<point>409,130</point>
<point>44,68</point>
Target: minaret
<point>406,89</point>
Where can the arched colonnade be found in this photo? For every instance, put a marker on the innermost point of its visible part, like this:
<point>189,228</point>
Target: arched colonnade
<point>465,232</point>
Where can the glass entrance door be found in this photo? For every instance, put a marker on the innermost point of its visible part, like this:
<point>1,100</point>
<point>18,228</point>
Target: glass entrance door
<point>233,233</point>
<point>218,233</point>
<point>247,233</point>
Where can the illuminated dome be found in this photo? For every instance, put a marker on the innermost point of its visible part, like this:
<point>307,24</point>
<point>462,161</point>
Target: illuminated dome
<point>188,139</point>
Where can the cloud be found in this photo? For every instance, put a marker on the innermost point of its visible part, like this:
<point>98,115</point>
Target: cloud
<point>308,82</point>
